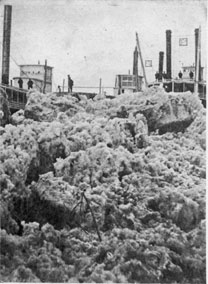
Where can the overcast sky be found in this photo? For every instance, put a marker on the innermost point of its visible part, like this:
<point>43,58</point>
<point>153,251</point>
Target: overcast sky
<point>92,39</point>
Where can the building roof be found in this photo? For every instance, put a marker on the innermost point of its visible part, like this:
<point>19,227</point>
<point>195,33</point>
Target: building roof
<point>189,67</point>
<point>129,75</point>
<point>35,65</point>
<point>34,79</point>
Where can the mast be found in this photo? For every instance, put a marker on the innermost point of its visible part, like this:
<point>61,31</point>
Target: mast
<point>140,54</point>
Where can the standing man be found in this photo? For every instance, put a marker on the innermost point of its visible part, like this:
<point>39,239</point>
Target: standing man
<point>59,89</point>
<point>156,76</point>
<point>70,84</point>
<point>164,75</point>
<point>180,75</point>
<point>20,82</point>
<point>191,75</point>
<point>30,84</point>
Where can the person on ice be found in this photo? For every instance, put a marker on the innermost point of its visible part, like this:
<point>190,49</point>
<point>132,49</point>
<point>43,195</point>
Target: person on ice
<point>164,75</point>
<point>59,89</point>
<point>191,75</point>
<point>20,82</point>
<point>180,75</point>
<point>70,84</point>
<point>156,76</point>
<point>30,84</point>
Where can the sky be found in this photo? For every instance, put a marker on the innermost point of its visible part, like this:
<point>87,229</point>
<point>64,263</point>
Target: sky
<point>93,39</point>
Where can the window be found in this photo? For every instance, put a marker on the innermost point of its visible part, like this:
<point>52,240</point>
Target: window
<point>148,63</point>
<point>183,41</point>
<point>15,96</point>
<point>21,98</point>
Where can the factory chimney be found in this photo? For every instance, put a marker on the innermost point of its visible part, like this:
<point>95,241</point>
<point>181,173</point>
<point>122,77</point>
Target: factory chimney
<point>6,44</point>
<point>135,62</point>
<point>168,54</point>
<point>161,59</point>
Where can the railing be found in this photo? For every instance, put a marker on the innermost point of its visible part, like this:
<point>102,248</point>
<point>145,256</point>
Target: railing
<point>17,97</point>
<point>87,89</point>
<point>179,86</point>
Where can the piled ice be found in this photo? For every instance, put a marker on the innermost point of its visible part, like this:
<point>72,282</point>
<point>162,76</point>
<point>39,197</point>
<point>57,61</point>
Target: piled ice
<point>131,169</point>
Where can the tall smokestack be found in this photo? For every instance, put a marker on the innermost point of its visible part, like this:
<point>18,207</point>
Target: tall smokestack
<point>168,54</point>
<point>161,59</point>
<point>6,44</point>
<point>196,51</point>
<point>135,62</point>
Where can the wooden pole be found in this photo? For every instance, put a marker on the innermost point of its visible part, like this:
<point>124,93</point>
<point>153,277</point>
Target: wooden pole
<point>45,76</point>
<point>196,85</point>
<point>93,217</point>
<point>135,68</point>
<point>200,69</point>
<point>140,55</point>
<point>100,86</point>
<point>63,84</point>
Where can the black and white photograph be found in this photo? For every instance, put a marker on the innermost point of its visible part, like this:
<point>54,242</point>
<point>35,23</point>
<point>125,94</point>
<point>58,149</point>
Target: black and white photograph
<point>103,141</point>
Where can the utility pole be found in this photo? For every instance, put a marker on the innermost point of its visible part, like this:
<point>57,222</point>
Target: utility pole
<point>45,76</point>
<point>140,54</point>
<point>6,44</point>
